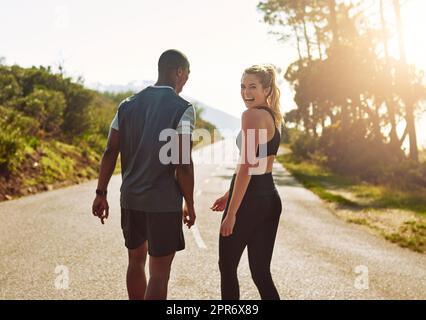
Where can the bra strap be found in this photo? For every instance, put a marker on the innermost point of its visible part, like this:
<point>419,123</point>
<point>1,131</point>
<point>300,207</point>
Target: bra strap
<point>269,111</point>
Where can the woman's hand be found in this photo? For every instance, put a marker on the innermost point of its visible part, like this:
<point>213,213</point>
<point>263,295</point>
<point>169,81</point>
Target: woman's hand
<point>227,226</point>
<point>220,204</point>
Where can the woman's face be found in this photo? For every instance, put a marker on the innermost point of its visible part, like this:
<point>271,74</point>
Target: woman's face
<point>252,92</point>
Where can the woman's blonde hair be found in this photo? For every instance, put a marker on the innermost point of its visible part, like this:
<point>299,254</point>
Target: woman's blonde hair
<point>267,75</point>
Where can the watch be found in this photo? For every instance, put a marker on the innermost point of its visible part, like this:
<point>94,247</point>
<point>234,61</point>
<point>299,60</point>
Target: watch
<point>101,192</point>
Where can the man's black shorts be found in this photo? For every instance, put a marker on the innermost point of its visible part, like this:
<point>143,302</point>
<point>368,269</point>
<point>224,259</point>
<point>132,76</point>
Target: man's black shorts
<point>162,230</point>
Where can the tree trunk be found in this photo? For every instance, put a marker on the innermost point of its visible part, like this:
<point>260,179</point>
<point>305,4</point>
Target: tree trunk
<point>318,41</point>
<point>409,104</point>
<point>308,44</point>
<point>394,141</point>
<point>298,42</point>
<point>305,29</point>
<point>333,22</point>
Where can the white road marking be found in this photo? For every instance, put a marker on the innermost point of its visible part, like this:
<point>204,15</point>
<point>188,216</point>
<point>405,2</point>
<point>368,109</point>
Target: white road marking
<point>197,237</point>
<point>196,232</point>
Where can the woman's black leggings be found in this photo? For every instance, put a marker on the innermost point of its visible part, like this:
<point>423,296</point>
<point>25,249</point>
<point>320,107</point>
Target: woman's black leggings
<point>255,227</point>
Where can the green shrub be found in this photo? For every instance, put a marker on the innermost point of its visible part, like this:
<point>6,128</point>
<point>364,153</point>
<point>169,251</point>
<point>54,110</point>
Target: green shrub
<point>303,145</point>
<point>9,86</point>
<point>356,151</point>
<point>47,107</point>
<point>11,147</point>
<point>16,131</point>
<point>96,142</point>
<point>11,150</point>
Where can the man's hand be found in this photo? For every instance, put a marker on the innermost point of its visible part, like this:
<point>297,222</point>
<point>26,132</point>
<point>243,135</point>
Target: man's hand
<point>188,215</point>
<point>100,208</point>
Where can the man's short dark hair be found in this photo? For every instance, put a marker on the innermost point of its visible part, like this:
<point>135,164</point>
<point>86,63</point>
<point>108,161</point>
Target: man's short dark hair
<point>171,60</point>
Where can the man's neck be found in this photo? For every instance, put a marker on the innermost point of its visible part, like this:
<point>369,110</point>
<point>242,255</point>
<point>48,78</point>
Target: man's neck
<point>165,83</point>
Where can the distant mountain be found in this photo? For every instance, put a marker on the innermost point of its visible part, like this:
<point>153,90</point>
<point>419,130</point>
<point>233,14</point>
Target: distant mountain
<point>222,120</point>
<point>134,86</point>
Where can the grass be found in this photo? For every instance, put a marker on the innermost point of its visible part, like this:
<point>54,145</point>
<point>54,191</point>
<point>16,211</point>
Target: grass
<point>59,163</point>
<point>360,221</point>
<point>315,178</point>
<point>323,182</point>
<point>411,235</point>
<point>366,204</point>
<point>422,155</point>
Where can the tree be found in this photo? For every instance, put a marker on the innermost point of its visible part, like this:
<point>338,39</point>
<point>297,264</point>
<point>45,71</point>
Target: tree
<point>76,117</point>
<point>349,84</point>
<point>407,94</point>
<point>388,81</point>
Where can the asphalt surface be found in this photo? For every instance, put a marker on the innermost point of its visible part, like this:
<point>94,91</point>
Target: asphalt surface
<point>53,248</point>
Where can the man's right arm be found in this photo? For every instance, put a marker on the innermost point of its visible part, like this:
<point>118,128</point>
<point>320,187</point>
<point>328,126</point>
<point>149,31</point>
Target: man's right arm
<point>185,167</point>
<point>185,178</point>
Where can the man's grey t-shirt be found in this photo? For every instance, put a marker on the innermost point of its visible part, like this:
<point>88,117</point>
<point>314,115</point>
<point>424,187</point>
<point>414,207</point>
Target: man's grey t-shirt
<point>148,184</point>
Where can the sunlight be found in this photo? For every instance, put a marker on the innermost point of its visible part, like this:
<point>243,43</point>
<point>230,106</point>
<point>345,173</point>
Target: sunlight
<point>414,26</point>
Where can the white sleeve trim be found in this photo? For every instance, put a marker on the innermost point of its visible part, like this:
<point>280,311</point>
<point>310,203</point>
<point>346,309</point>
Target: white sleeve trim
<point>186,124</point>
<point>114,122</point>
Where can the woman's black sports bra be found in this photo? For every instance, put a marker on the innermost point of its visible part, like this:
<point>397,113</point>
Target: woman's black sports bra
<point>272,145</point>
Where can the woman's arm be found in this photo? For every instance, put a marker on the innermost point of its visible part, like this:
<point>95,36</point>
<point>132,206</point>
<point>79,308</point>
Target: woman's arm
<point>248,160</point>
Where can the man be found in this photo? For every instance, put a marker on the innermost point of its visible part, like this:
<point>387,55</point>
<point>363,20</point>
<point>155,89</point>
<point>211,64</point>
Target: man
<point>152,187</point>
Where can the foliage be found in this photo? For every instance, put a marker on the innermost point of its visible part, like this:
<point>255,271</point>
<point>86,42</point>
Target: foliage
<point>350,93</point>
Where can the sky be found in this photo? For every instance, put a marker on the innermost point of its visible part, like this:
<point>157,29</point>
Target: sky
<point>119,42</point>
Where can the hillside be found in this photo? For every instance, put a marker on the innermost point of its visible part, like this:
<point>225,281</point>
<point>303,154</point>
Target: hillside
<point>220,119</point>
<point>54,129</point>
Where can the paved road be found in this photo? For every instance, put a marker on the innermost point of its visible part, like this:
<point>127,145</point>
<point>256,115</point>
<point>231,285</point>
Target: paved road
<point>317,256</point>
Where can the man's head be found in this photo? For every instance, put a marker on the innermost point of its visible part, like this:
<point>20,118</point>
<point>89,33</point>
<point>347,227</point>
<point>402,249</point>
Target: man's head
<point>173,68</point>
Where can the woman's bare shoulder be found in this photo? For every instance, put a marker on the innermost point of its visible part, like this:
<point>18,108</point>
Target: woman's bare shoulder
<point>254,118</point>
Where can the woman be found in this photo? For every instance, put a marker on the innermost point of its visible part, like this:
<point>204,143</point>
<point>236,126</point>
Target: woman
<point>252,205</point>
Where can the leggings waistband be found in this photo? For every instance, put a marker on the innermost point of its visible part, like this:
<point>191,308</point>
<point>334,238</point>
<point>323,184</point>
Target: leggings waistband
<point>262,184</point>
